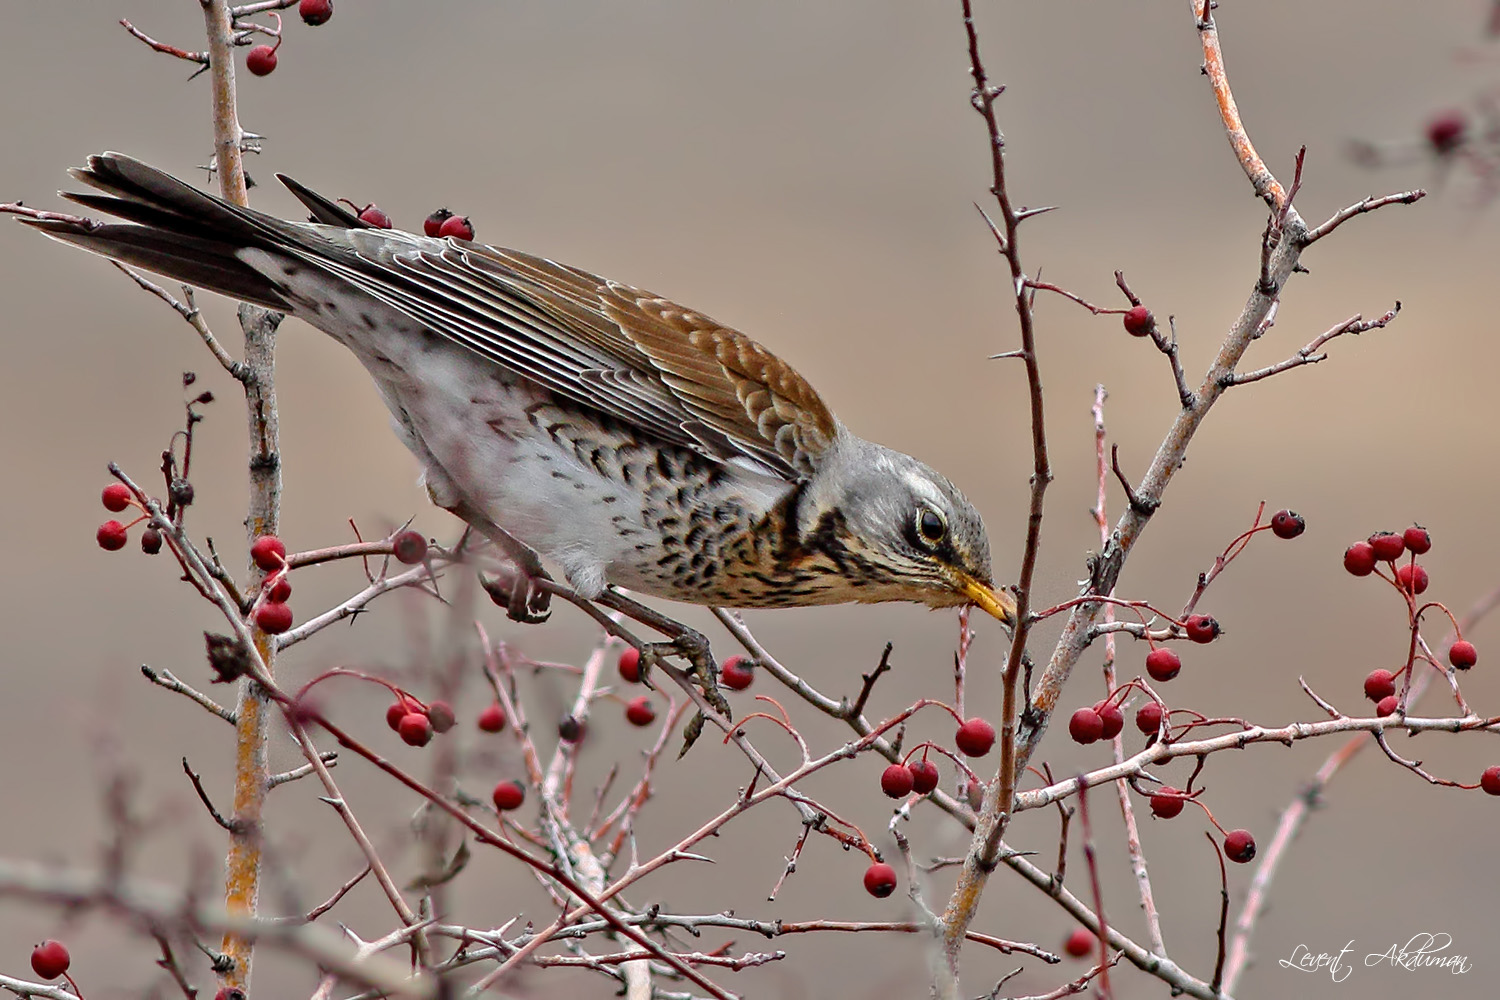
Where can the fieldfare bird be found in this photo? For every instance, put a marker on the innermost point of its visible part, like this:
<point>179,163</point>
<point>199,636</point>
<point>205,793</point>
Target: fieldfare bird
<point>631,441</point>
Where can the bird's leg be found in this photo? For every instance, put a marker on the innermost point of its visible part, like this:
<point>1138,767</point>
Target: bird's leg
<point>522,599</point>
<point>688,643</point>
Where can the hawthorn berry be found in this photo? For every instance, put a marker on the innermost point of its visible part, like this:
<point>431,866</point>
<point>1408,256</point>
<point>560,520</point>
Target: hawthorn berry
<point>434,222</point>
<point>1387,706</point>
<point>281,590</point>
<point>116,497</point>
<point>630,665</point>
<point>273,617</point>
<point>1463,655</point>
<point>372,216</point>
<point>1167,802</point>
<point>1379,685</point>
<point>268,552</point>
<point>508,795</point>
<point>1201,628</point>
<point>639,712</point>
<point>492,719</point>
<point>50,959</point>
<point>398,710</point>
<point>1387,545</point>
<point>924,776</point>
<point>1490,780</point>
<point>880,880</point>
<point>736,673</point>
<point>1417,539</point>
<point>151,541</point>
<point>262,59</point>
<point>410,547</point>
<point>1287,524</point>
<point>441,715</point>
<point>315,12</point>
<point>571,729</point>
<point>1112,717</point>
<point>111,536</point>
<point>415,729</point>
<point>1148,718</point>
<point>897,780</point>
<point>1139,321</point>
<point>230,993</point>
<point>1359,559</point>
<point>1411,578</point>
<point>1080,943</point>
<point>1445,132</point>
<point>975,737</point>
<point>1085,726</point>
<point>1239,845</point>
<point>458,226</point>
<point>1163,664</point>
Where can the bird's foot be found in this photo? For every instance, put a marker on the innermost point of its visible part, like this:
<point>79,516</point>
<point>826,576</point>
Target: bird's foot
<point>515,588</point>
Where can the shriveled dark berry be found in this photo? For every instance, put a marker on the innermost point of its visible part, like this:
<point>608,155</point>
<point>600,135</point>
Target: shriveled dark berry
<point>151,541</point>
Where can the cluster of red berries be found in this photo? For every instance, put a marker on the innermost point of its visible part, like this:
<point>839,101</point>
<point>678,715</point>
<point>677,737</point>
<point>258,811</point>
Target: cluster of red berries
<point>442,223</point>
<point>262,58</point>
<point>50,959</point>
<point>1103,721</point>
<point>415,722</point>
<point>1361,558</point>
<point>112,535</point>
<point>900,780</point>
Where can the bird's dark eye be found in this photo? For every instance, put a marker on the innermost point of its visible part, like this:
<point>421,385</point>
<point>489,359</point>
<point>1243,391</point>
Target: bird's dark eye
<point>931,526</point>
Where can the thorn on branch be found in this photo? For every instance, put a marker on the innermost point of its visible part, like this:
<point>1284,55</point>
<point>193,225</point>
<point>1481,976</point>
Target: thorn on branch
<point>232,826</point>
<point>1141,506</point>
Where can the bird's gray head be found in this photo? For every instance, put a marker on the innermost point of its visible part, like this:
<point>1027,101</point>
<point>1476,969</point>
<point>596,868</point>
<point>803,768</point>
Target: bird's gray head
<point>908,529</point>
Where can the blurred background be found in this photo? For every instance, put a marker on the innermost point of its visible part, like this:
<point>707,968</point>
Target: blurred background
<point>805,173</point>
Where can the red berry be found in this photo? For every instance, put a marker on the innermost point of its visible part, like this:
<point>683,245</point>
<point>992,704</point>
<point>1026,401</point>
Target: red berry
<point>151,541</point>
<point>261,60</point>
<point>50,959</point>
<point>434,222</point>
<point>1139,321</point>
<point>116,497</point>
<point>924,776</point>
<point>492,719</point>
<point>571,729</point>
<point>415,729</point>
<point>1417,539</point>
<point>230,993</point>
<point>639,712</point>
<point>1085,726</point>
<point>398,710</point>
<point>1446,131</point>
<point>1239,845</point>
<point>315,12</point>
<point>457,225</point>
<point>281,590</point>
<point>974,738</point>
<point>1163,664</point>
<point>268,552</point>
<point>737,673</point>
<point>897,780</point>
<point>1359,559</point>
<point>1080,943</point>
<point>880,880</point>
<point>1167,802</point>
<point>1148,718</point>
<point>1287,524</point>
<point>508,795</point>
<point>1387,706</point>
<point>1490,780</point>
<point>1201,628</point>
<point>1411,578</point>
<point>372,216</point>
<point>410,547</point>
<point>273,617</point>
<point>1112,717</point>
<point>1387,545</point>
<point>630,665</point>
<point>440,714</point>
<point>1379,685</point>
<point>111,536</point>
<point>1463,655</point>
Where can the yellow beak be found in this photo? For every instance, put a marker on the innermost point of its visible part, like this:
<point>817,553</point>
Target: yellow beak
<point>991,601</point>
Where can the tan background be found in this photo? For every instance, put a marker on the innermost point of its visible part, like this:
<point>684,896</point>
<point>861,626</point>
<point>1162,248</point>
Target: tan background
<point>805,172</point>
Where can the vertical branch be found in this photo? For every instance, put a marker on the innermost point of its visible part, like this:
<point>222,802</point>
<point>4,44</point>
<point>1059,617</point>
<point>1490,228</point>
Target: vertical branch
<point>251,772</point>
